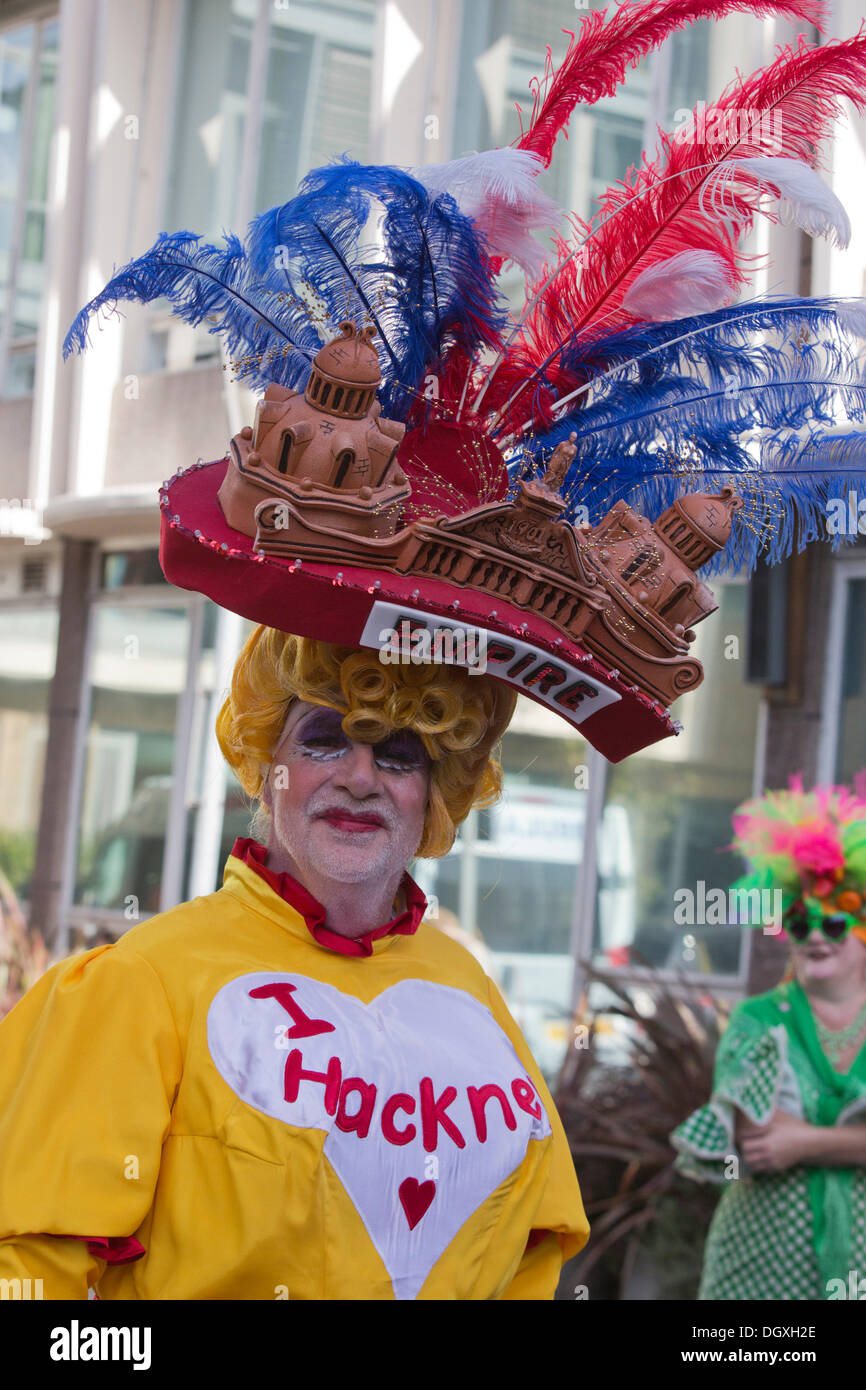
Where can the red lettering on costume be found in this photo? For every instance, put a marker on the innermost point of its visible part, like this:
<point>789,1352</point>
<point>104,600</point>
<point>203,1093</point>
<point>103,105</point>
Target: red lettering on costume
<point>399,1101</point>
<point>521,664</point>
<point>478,1098</point>
<point>331,1079</point>
<point>526,1096</point>
<point>433,1115</point>
<point>575,694</point>
<point>499,651</point>
<point>414,624</point>
<point>544,676</point>
<point>360,1121</point>
<point>303,1026</point>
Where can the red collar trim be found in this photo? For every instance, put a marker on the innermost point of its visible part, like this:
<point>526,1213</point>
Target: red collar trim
<point>406,923</point>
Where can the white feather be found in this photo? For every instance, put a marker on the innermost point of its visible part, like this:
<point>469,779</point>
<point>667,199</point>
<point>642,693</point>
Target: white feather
<point>498,190</point>
<point>851,317</point>
<point>804,197</point>
<point>692,282</point>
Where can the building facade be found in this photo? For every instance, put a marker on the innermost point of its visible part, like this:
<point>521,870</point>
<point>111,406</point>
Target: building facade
<point>119,121</point>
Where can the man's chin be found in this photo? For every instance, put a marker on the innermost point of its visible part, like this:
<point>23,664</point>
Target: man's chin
<point>353,856</point>
<point>356,863</point>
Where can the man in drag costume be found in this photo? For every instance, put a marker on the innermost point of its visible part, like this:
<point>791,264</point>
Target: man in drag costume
<point>784,1131</point>
<point>294,1086</point>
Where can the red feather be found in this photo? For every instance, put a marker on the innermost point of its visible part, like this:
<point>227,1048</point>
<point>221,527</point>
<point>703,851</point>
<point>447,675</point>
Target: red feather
<point>596,61</point>
<point>785,109</point>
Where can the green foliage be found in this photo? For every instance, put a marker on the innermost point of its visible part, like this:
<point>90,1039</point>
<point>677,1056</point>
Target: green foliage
<point>854,845</point>
<point>17,853</point>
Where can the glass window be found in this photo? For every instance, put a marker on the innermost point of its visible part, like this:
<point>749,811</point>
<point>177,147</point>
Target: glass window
<point>137,674</point>
<point>16,59</point>
<point>507,887</point>
<point>668,813</point>
<point>851,746</point>
<point>502,51</point>
<point>210,115</point>
<point>501,57</point>
<point>316,104</point>
<point>210,121</point>
<point>28,80</point>
<point>689,68</point>
<point>237,811</point>
<point>125,567</point>
<point>28,646</point>
<point>20,376</point>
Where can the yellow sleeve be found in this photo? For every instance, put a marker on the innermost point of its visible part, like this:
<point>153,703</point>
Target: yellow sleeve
<point>539,1272</point>
<point>560,1215</point>
<point>89,1066</point>
<point>47,1267</point>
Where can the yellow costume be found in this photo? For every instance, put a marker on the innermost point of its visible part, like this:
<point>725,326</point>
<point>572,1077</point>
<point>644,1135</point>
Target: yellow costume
<point>268,1118</point>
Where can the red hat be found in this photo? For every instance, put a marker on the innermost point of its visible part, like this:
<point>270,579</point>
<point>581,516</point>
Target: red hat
<point>328,521</point>
<point>430,476</point>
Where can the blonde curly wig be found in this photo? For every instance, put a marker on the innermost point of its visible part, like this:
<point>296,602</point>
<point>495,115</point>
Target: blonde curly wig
<point>460,718</point>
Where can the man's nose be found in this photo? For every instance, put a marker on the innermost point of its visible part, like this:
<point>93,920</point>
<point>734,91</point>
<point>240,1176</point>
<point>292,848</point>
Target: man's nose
<point>358,770</point>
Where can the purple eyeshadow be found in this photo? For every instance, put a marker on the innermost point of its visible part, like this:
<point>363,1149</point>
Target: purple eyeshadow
<point>321,723</point>
<point>320,734</point>
<point>403,747</point>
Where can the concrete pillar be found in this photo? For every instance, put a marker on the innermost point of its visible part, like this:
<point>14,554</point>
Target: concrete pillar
<point>57,816</point>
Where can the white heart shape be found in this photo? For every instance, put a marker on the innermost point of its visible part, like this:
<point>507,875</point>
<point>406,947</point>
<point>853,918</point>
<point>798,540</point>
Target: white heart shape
<point>415,1043</point>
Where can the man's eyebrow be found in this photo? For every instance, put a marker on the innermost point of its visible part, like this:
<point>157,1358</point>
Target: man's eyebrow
<point>317,712</point>
<point>289,728</point>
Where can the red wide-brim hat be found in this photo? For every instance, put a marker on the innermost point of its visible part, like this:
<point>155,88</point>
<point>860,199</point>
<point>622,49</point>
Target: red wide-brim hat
<point>424,458</point>
<point>352,606</point>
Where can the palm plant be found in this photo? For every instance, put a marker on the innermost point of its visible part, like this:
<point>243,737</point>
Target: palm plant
<point>619,1118</point>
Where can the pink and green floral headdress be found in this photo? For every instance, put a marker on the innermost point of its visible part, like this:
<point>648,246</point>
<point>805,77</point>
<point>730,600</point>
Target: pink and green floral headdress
<point>809,844</point>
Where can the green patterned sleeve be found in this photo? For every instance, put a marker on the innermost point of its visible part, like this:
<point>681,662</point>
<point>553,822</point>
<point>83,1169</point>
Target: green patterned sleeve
<point>750,1065</point>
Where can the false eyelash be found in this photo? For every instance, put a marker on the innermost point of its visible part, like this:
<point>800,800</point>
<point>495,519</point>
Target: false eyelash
<point>391,766</point>
<point>311,746</point>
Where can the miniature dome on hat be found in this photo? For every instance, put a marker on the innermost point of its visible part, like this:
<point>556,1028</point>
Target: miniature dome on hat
<point>345,374</point>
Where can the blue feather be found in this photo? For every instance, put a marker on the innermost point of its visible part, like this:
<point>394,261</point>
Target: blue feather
<point>377,246</point>
<point>205,284</point>
<point>686,405</point>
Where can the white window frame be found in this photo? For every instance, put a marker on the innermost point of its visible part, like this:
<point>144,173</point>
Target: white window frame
<point>845,569</point>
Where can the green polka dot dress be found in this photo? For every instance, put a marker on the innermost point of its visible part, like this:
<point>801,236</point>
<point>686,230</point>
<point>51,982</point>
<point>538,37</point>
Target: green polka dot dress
<point>794,1234</point>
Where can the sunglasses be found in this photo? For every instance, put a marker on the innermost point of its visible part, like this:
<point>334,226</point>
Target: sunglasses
<point>834,927</point>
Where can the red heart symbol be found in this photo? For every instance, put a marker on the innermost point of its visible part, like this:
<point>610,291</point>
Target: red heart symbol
<point>415,1198</point>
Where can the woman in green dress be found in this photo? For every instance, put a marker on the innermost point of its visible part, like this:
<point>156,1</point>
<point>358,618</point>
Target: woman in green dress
<point>784,1132</point>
